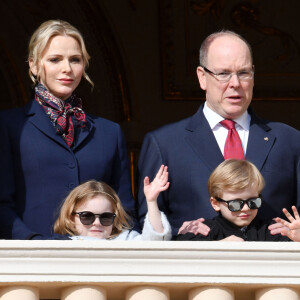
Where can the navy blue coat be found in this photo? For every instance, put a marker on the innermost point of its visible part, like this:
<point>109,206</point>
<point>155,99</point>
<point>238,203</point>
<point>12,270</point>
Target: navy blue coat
<point>191,152</point>
<point>38,169</point>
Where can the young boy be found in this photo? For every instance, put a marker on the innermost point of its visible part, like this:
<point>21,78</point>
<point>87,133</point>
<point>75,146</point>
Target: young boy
<point>235,188</point>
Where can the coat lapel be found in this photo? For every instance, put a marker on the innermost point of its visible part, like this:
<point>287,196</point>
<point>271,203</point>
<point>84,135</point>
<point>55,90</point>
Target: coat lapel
<point>37,116</point>
<point>260,141</point>
<point>84,132</point>
<point>41,121</point>
<point>202,140</point>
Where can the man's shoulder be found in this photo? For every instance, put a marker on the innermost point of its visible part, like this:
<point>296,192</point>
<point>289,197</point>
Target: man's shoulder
<point>282,127</point>
<point>178,127</point>
<point>168,135</point>
<point>274,126</point>
<point>283,132</point>
<point>171,126</point>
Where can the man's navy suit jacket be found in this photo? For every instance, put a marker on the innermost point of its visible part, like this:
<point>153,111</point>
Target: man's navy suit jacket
<point>191,152</point>
<point>38,169</point>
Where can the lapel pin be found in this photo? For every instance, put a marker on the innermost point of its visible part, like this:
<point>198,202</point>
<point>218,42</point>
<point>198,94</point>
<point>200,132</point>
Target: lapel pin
<point>266,138</point>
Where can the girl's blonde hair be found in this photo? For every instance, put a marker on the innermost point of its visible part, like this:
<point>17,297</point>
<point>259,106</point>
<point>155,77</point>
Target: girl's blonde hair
<point>234,175</point>
<point>41,37</point>
<point>65,222</point>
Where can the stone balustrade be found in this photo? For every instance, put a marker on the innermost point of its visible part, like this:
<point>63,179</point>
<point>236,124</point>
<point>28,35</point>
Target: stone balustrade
<point>127,270</point>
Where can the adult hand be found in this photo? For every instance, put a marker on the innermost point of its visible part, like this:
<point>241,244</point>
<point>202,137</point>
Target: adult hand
<point>290,229</point>
<point>194,227</point>
<point>232,238</point>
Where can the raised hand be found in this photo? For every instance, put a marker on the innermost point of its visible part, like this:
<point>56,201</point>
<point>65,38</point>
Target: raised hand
<point>160,183</point>
<point>291,229</point>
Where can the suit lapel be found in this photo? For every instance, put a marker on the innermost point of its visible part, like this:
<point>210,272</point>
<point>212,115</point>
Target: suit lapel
<point>202,140</point>
<point>260,141</point>
<point>84,132</point>
<point>37,116</point>
<point>41,121</point>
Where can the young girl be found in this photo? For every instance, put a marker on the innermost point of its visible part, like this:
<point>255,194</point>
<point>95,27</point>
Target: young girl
<point>94,211</point>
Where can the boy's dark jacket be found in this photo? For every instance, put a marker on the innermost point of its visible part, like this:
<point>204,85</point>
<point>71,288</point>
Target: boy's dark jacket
<point>221,228</point>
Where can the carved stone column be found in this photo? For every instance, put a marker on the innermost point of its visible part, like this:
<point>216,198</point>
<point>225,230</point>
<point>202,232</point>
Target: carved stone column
<point>83,292</point>
<point>277,293</point>
<point>147,293</point>
<point>19,292</point>
<point>211,293</point>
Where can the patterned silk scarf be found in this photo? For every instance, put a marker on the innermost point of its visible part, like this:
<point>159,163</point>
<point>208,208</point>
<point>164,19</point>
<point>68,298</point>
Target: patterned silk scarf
<point>60,112</point>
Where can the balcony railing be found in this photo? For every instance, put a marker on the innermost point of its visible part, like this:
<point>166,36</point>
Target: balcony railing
<point>99,270</point>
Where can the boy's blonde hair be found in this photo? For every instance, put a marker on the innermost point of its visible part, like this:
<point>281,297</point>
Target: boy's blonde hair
<point>234,175</point>
<point>41,37</point>
<point>65,222</point>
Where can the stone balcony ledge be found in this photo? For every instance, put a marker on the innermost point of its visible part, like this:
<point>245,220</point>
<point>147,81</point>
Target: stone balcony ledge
<point>179,266</point>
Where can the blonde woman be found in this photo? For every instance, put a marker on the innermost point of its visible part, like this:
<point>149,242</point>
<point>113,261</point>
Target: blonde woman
<point>51,145</point>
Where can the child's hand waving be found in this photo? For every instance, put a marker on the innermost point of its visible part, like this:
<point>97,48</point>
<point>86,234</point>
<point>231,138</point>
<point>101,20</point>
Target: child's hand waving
<point>160,183</point>
<point>291,229</point>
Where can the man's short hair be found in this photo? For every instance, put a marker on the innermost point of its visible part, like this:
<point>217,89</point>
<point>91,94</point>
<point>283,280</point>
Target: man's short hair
<point>234,175</point>
<point>207,42</point>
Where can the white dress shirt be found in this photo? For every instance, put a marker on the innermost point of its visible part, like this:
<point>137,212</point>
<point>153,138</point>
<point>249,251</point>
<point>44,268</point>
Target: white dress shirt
<point>220,132</point>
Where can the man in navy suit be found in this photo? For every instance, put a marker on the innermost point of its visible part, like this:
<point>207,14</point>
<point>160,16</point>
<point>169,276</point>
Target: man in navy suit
<point>192,148</point>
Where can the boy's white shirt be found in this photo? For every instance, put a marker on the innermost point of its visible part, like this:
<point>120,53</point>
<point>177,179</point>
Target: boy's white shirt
<point>148,233</point>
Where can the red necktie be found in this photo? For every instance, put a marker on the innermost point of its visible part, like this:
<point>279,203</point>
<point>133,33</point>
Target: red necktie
<point>233,145</point>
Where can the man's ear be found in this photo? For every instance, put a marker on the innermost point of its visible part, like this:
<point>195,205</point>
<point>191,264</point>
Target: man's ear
<point>33,67</point>
<point>215,204</point>
<point>201,78</point>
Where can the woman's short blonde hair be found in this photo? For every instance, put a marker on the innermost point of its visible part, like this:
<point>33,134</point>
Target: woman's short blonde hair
<point>41,37</point>
<point>65,222</point>
<point>234,175</point>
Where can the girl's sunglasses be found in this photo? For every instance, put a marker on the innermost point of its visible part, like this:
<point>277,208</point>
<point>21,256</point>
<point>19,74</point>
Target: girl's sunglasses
<point>88,218</point>
<point>238,204</point>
